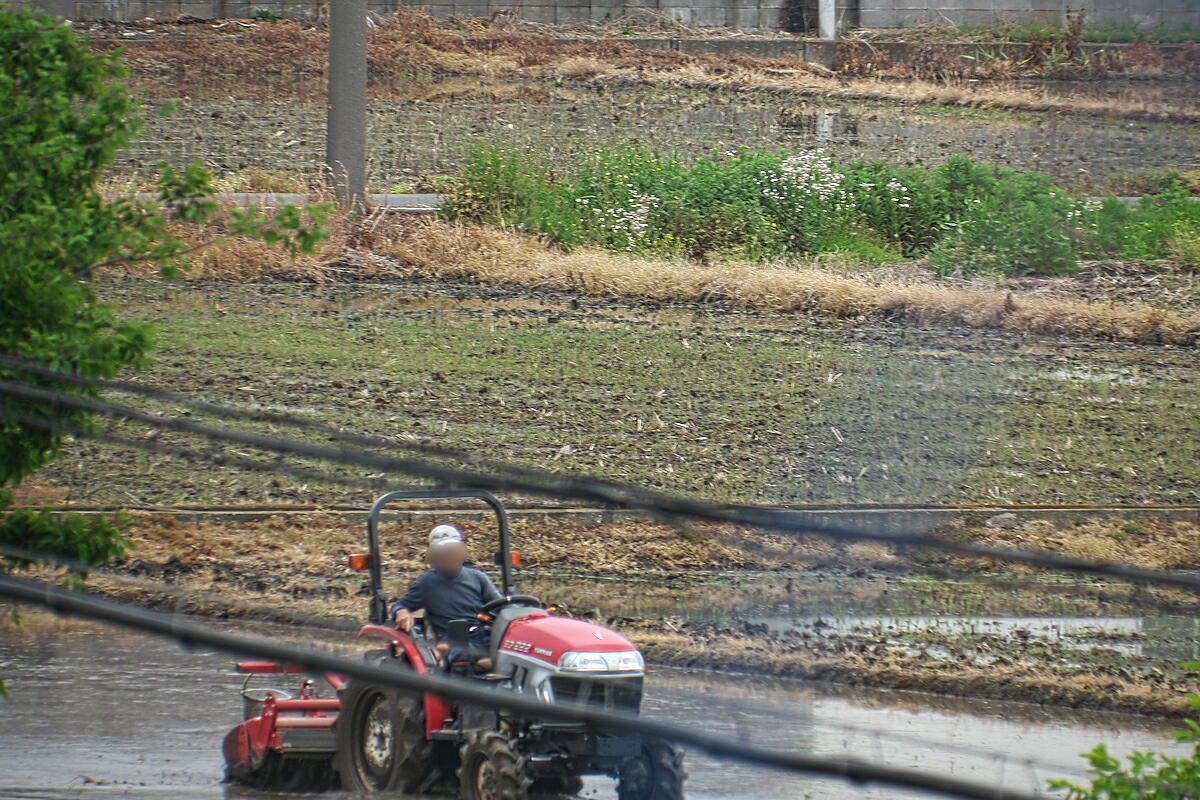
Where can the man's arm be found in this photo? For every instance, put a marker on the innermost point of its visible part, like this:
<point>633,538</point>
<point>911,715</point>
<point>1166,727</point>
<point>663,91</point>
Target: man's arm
<point>487,589</point>
<point>413,599</point>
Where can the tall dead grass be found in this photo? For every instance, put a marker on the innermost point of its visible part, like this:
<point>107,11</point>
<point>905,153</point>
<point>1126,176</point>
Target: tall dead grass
<point>813,83</point>
<point>1149,543</point>
<point>389,246</point>
<point>286,60</point>
<point>438,250</point>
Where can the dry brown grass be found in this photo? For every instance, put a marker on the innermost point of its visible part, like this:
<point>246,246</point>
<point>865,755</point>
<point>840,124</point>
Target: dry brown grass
<point>582,67</point>
<point>915,91</point>
<point>286,60</point>
<point>444,251</point>
<point>384,246</point>
<point>253,179</point>
<point>317,544</point>
<point>1030,682</point>
<point>1154,544</point>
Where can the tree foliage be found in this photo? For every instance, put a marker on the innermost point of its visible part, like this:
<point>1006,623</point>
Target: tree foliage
<point>64,115</point>
<point>1148,776</point>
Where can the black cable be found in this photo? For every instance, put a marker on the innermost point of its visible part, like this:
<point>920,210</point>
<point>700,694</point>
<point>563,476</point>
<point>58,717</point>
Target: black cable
<point>184,597</point>
<point>659,504</point>
<point>192,455</point>
<point>376,484</point>
<point>270,613</point>
<point>191,634</point>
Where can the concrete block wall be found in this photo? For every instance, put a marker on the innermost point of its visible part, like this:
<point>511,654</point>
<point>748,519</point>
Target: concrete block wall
<point>744,14</point>
<point>1143,13</point>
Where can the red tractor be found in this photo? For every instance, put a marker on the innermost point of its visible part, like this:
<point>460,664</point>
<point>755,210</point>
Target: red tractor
<point>378,739</point>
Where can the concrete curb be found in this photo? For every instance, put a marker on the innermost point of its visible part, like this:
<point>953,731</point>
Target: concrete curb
<point>811,50</point>
<point>398,203</point>
<point>890,519</point>
<point>825,53</point>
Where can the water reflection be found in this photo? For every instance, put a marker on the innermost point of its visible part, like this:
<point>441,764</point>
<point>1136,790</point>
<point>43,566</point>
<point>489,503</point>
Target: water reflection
<point>102,714</point>
<point>409,139</point>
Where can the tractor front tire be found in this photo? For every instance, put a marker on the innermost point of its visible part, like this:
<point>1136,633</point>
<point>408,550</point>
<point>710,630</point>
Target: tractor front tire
<point>381,744</point>
<point>657,774</point>
<point>491,768</point>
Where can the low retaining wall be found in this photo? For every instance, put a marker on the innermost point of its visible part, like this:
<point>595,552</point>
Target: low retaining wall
<point>891,520</point>
<point>743,14</point>
<point>825,53</point>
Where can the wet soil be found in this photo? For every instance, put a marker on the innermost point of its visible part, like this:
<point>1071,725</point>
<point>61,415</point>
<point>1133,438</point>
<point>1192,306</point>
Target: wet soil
<point>715,598</point>
<point>117,715</point>
<point>255,99</point>
<point>731,405</point>
<point>410,141</point>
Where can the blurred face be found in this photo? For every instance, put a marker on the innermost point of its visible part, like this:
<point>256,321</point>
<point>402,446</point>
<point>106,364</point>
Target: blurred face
<point>448,559</point>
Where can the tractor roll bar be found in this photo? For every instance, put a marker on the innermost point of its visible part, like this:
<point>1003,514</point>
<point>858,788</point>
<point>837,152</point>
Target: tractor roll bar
<point>379,598</point>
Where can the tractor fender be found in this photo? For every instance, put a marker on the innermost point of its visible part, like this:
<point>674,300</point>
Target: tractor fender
<point>437,708</point>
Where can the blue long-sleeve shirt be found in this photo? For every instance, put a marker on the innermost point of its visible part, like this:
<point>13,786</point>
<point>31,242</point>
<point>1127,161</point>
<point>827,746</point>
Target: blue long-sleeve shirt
<point>446,598</point>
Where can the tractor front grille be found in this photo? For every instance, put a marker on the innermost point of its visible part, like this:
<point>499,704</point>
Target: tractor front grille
<point>610,694</point>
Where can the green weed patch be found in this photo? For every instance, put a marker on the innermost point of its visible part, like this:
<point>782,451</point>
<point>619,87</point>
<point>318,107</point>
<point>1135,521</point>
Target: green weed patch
<point>967,217</point>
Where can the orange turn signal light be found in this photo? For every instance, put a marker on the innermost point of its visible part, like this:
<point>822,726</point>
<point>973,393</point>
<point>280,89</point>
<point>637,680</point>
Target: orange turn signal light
<point>515,558</point>
<point>359,561</point>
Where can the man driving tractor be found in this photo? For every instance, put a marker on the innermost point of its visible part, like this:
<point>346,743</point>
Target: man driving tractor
<point>450,590</point>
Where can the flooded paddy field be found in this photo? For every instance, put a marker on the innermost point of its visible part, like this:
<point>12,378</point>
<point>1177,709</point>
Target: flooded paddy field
<point>99,713</point>
<point>972,635</point>
<point>720,599</point>
<point>412,140</point>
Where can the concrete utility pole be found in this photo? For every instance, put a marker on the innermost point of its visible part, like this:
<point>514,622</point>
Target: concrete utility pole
<point>346,124</point>
<point>827,20</point>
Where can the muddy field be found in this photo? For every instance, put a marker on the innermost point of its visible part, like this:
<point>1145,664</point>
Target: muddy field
<point>251,96</point>
<point>129,741</point>
<point>411,142</point>
<point>731,601</point>
<point>736,405</point>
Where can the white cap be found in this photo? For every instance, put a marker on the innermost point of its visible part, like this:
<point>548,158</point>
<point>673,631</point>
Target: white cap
<point>444,535</point>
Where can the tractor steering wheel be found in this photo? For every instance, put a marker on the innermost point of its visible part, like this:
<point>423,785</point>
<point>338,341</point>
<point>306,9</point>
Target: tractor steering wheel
<point>508,600</point>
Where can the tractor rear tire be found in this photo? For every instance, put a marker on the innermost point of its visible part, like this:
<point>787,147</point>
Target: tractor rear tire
<point>491,768</point>
<point>381,744</point>
<point>657,774</point>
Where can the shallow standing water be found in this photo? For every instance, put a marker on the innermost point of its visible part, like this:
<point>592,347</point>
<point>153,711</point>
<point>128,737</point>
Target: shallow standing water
<point>408,139</point>
<point>101,713</point>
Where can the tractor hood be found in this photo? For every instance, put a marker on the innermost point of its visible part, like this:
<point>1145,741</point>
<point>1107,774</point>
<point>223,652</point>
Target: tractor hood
<point>548,638</point>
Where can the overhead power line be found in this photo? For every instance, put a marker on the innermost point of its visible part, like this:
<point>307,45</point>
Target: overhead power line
<point>191,454</point>
<point>192,634</point>
<point>276,614</point>
<point>278,467</point>
<point>258,415</point>
<point>665,506</point>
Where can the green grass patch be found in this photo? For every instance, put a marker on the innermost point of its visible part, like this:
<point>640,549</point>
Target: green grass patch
<point>967,217</point>
<point>725,406</point>
<point>1073,433</point>
<point>690,409</point>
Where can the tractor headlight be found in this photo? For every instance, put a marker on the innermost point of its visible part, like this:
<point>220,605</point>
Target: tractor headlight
<point>627,661</point>
<point>583,662</point>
